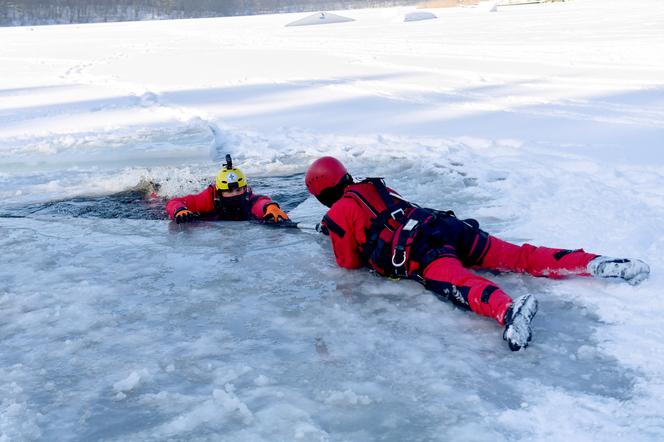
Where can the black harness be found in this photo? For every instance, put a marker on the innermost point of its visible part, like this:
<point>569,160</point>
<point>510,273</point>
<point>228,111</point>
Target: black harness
<point>392,233</point>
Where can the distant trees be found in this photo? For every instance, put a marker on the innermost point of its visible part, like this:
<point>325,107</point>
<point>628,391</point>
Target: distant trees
<point>37,12</point>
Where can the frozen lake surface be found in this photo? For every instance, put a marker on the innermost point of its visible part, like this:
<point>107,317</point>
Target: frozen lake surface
<point>543,122</point>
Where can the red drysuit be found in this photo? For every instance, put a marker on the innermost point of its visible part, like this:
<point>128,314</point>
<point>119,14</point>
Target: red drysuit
<point>210,207</point>
<point>372,226</point>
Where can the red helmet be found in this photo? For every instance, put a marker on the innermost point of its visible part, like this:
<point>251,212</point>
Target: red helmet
<point>326,178</point>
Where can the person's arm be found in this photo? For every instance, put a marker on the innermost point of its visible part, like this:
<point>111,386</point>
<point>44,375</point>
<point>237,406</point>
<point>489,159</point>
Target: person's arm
<point>201,203</point>
<point>263,207</point>
<point>342,222</point>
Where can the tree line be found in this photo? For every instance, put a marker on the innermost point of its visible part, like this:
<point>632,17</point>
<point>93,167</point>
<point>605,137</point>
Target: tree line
<point>42,12</point>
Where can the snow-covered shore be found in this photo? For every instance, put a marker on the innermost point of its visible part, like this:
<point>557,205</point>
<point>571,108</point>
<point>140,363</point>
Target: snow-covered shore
<point>545,122</point>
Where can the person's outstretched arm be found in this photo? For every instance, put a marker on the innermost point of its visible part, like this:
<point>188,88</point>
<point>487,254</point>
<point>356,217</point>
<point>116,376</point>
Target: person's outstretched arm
<point>264,208</point>
<point>186,207</point>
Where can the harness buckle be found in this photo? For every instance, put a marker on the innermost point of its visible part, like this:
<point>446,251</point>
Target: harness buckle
<point>394,213</point>
<point>410,225</point>
<point>400,251</point>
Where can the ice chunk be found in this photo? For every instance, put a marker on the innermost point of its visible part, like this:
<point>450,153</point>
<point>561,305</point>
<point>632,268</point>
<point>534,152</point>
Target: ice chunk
<point>419,15</point>
<point>321,18</point>
<point>130,382</point>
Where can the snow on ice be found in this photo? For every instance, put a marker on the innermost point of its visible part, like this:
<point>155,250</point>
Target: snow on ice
<point>545,122</point>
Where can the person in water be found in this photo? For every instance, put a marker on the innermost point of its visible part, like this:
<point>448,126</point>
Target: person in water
<point>229,198</point>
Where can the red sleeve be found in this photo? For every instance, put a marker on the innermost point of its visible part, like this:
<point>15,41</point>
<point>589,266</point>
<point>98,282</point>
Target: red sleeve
<point>199,202</point>
<point>345,223</point>
<point>258,205</point>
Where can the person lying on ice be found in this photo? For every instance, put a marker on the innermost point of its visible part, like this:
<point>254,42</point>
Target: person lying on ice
<point>371,225</point>
<point>229,199</point>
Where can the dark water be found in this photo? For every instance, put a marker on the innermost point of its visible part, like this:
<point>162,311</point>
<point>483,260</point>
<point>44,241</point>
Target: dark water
<point>42,12</point>
<point>143,202</point>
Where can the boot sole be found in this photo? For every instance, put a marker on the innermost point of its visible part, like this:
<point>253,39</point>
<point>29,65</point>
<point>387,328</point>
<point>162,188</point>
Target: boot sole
<point>526,309</point>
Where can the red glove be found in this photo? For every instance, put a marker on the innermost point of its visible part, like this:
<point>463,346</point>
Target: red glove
<point>183,216</point>
<point>274,214</point>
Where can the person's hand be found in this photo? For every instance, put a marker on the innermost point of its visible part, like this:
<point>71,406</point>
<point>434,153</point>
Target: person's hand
<point>274,214</point>
<point>184,216</point>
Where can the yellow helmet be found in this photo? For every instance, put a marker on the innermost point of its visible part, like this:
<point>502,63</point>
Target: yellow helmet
<point>229,177</point>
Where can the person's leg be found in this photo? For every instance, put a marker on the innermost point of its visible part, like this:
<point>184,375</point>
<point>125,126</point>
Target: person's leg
<point>476,248</point>
<point>449,279</point>
<point>537,261</point>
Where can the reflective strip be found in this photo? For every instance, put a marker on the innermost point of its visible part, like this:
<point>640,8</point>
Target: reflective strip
<point>458,295</point>
<point>410,225</point>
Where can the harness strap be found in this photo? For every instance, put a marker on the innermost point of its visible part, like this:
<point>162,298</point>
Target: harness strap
<point>389,219</point>
<point>333,227</point>
<point>364,201</point>
<point>376,227</point>
<point>389,253</point>
<point>403,240</point>
<point>395,210</point>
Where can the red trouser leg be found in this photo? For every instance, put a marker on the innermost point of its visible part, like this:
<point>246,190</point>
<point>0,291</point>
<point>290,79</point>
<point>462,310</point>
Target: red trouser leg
<point>537,261</point>
<point>449,279</point>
